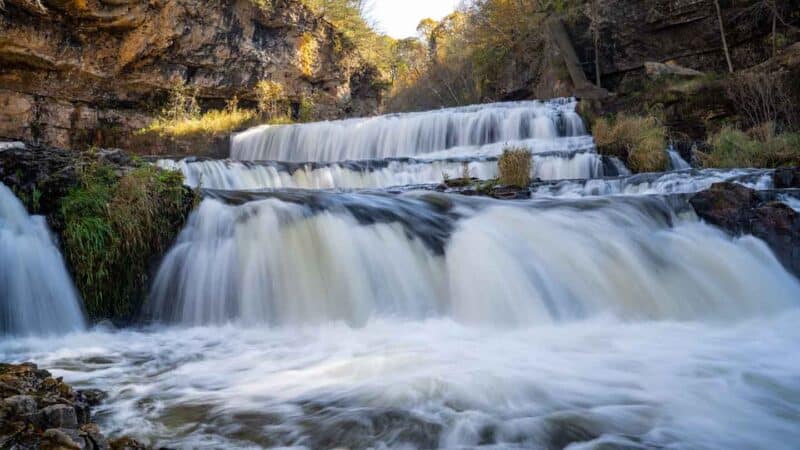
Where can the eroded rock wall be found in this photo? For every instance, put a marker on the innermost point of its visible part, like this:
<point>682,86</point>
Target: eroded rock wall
<point>633,32</point>
<point>75,73</point>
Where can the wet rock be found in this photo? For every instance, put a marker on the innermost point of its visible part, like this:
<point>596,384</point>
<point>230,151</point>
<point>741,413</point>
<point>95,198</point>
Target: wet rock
<point>19,405</point>
<point>126,443</point>
<point>786,178</point>
<point>61,439</point>
<point>740,210</point>
<point>58,416</point>
<point>114,156</point>
<point>38,411</point>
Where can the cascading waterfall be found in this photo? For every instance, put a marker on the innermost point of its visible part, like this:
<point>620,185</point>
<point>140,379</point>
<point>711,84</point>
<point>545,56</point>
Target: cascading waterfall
<point>676,162</point>
<point>236,175</point>
<point>477,262</point>
<point>409,134</point>
<point>36,294</point>
<point>296,313</point>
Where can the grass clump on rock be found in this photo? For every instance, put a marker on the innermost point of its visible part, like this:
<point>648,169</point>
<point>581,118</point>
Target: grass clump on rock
<point>515,166</point>
<point>761,147</point>
<point>641,141</point>
<point>115,222</point>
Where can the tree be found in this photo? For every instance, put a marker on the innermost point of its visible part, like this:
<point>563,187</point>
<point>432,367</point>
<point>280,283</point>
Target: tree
<point>722,34</point>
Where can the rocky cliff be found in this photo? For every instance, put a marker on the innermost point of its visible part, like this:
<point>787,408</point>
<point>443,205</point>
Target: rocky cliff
<point>685,32</point>
<point>75,73</point>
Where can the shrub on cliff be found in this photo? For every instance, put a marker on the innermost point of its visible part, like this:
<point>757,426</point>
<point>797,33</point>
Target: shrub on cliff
<point>515,166</point>
<point>732,148</point>
<point>641,141</point>
<point>182,118</point>
<point>115,223</point>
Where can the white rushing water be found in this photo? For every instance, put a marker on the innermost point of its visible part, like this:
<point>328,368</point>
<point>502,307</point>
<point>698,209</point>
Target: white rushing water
<point>522,264</point>
<point>398,384</point>
<point>676,162</point>
<point>409,134</point>
<point>680,182</point>
<point>601,314</point>
<point>235,175</point>
<point>36,293</point>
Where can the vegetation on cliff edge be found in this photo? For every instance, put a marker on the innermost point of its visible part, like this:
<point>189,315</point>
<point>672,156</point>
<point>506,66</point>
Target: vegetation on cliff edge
<point>115,224</point>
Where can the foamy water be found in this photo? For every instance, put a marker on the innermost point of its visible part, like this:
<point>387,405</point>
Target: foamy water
<point>441,384</point>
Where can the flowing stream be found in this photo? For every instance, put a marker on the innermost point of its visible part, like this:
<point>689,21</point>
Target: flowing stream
<point>306,305</point>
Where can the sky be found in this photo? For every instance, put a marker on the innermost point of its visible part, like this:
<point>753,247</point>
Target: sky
<point>399,18</point>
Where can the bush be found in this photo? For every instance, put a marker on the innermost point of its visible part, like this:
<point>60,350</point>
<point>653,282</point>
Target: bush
<point>515,166</point>
<point>641,141</point>
<point>762,148</point>
<point>271,97</point>
<point>114,226</point>
<point>307,54</point>
<point>761,98</point>
<point>182,117</point>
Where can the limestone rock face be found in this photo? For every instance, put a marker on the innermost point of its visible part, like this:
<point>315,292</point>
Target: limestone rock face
<point>75,73</point>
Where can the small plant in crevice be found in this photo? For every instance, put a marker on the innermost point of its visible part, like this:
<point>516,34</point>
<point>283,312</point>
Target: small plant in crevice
<point>515,166</point>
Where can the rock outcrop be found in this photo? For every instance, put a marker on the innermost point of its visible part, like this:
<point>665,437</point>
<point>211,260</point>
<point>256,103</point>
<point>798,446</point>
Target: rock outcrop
<point>686,32</point>
<point>39,411</point>
<point>91,72</point>
<point>740,210</point>
<point>78,191</point>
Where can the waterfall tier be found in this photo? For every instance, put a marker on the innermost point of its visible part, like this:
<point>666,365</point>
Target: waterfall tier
<point>317,258</point>
<point>36,294</point>
<point>410,134</point>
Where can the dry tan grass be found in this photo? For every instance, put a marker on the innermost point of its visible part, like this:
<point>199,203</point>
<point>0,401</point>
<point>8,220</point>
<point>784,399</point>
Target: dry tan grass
<point>641,141</point>
<point>515,166</point>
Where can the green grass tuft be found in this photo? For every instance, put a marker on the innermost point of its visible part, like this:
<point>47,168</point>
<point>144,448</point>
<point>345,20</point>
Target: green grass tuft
<point>115,224</point>
<point>732,148</point>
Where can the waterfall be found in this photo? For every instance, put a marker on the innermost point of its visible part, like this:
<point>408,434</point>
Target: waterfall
<point>410,134</point>
<point>36,294</point>
<point>676,162</point>
<point>324,294</point>
<point>243,175</point>
<point>323,257</point>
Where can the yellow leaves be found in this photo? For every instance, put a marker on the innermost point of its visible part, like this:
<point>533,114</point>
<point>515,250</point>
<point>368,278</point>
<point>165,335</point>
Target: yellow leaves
<point>307,54</point>
<point>271,97</point>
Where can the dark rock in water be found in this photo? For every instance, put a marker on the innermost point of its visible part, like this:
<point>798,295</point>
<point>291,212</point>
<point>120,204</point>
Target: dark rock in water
<point>39,411</point>
<point>787,178</point>
<point>740,210</point>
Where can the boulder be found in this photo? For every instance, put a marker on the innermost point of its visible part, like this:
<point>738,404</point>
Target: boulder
<point>740,210</point>
<point>786,178</point>
<point>58,416</point>
<point>656,70</point>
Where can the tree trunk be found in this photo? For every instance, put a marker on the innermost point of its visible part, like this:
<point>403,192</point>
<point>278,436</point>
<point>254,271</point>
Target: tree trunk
<point>724,39</point>
<point>774,33</point>
<point>596,26</point>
